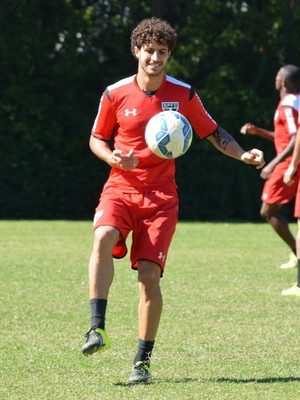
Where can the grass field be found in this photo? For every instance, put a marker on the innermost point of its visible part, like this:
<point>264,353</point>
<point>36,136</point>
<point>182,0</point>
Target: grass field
<point>226,332</point>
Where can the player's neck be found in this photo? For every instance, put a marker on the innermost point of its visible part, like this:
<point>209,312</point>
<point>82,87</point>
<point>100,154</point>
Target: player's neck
<point>149,83</point>
<point>283,92</point>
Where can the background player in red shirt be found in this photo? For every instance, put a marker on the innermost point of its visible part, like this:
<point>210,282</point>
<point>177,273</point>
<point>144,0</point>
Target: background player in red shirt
<point>289,177</point>
<point>140,195</point>
<point>275,192</point>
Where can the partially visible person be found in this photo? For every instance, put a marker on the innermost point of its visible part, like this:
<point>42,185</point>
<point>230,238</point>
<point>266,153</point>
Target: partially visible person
<point>275,192</point>
<point>140,195</point>
<point>289,178</point>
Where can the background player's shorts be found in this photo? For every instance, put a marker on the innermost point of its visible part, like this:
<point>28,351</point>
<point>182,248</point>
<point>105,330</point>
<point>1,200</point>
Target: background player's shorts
<point>297,202</point>
<point>275,191</point>
<point>152,218</point>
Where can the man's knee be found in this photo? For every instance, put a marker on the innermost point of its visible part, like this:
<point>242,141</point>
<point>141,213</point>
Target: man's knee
<point>106,236</point>
<point>269,211</point>
<point>264,214</point>
<point>149,273</point>
<point>266,211</point>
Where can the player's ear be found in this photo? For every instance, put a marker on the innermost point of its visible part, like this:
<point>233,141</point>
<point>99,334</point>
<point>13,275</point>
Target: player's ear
<point>136,51</point>
<point>285,83</point>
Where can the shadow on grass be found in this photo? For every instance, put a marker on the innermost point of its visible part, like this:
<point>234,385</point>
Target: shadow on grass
<point>156,381</point>
<point>253,380</point>
<point>218,380</point>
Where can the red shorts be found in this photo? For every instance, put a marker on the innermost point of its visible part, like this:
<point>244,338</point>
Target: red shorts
<point>297,203</point>
<point>152,218</point>
<point>275,191</point>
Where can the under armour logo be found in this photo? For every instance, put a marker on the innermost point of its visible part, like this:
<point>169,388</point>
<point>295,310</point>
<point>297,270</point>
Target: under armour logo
<point>161,256</point>
<point>130,112</point>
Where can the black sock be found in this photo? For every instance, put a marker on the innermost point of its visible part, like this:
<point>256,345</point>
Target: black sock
<point>294,251</point>
<point>144,352</point>
<point>98,311</point>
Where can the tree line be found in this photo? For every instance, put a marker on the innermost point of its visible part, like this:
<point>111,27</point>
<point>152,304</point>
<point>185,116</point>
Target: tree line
<point>59,55</point>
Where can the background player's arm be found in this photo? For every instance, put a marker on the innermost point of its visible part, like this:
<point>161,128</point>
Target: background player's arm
<point>225,143</point>
<point>266,172</point>
<point>254,130</point>
<point>114,158</point>
<point>290,172</point>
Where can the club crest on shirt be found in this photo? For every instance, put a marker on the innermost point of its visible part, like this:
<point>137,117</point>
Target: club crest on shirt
<point>170,105</point>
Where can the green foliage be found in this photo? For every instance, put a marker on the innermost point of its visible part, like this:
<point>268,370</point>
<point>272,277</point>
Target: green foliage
<point>226,332</point>
<point>59,55</point>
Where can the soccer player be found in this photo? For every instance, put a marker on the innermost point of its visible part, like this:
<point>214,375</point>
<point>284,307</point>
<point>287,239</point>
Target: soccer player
<point>275,193</point>
<point>289,178</point>
<point>140,195</point>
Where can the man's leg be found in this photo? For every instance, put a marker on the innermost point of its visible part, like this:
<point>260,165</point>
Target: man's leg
<point>101,273</point>
<point>298,253</point>
<point>295,290</point>
<point>101,268</point>
<point>150,308</point>
<point>271,213</point>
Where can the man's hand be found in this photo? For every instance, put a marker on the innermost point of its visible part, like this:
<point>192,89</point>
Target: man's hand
<point>126,163</point>
<point>266,171</point>
<point>254,157</point>
<point>288,175</point>
<point>248,128</point>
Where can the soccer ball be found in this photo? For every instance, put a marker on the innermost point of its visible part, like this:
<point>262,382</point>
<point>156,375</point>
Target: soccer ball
<point>168,134</point>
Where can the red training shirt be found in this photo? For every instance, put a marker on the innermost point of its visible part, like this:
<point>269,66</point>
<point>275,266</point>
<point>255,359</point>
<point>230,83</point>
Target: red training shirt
<point>123,114</point>
<point>285,122</point>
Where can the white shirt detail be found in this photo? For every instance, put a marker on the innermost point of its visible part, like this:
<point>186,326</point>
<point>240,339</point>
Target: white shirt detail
<point>97,216</point>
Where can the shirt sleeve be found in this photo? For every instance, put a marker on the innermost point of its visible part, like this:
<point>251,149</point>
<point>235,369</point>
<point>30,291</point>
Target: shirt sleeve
<point>203,124</point>
<point>105,121</point>
<point>291,118</point>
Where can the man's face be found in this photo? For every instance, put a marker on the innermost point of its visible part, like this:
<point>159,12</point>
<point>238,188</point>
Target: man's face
<point>152,58</point>
<point>279,80</point>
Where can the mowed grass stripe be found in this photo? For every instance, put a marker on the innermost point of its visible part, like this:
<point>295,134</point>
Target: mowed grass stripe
<point>226,332</point>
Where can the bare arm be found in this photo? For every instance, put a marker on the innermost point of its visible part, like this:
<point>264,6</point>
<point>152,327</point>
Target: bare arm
<point>225,143</point>
<point>296,152</point>
<point>267,170</point>
<point>113,158</point>
<point>289,173</point>
<point>254,130</point>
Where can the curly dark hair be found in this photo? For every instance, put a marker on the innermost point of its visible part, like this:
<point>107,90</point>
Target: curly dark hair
<point>153,30</point>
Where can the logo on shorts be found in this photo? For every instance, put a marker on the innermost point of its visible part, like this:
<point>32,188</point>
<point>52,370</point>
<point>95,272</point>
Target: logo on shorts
<point>170,105</point>
<point>97,216</point>
<point>161,256</point>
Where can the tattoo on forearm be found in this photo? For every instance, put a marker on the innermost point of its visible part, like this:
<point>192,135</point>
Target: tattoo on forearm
<point>222,138</point>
